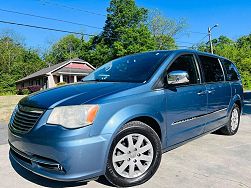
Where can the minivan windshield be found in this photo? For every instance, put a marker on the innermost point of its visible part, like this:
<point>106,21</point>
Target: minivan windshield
<point>133,68</point>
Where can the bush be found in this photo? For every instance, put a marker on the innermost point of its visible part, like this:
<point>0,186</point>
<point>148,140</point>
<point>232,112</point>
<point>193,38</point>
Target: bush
<point>19,92</point>
<point>34,88</point>
<point>26,92</point>
<point>6,93</point>
<point>246,80</point>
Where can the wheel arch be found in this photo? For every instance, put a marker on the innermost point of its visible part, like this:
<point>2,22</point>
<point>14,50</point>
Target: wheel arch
<point>150,121</point>
<point>236,100</point>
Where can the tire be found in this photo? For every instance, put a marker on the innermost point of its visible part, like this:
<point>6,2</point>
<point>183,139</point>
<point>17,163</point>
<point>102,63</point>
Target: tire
<point>233,123</point>
<point>139,147</point>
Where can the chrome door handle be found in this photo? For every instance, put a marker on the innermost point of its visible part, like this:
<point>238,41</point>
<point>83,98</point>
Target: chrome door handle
<point>211,91</point>
<point>201,93</point>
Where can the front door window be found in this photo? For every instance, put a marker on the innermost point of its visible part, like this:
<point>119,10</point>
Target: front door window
<point>186,63</point>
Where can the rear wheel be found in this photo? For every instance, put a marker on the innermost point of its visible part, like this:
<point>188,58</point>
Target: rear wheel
<point>232,126</point>
<point>134,156</point>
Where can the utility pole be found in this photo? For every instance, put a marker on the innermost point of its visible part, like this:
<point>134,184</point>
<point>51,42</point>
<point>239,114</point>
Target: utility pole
<point>210,40</point>
<point>210,37</point>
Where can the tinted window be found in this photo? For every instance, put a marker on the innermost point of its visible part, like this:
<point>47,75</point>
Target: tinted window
<point>186,63</point>
<point>212,69</point>
<point>133,68</point>
<point>230,69</point>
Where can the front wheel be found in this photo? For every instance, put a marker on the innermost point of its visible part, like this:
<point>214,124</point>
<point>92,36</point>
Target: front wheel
<point>134,156</point>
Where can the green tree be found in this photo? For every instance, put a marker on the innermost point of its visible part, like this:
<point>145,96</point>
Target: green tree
<point>96,54</point>
<point>121,14</point>
<point>164,29</point>
<point>124,33</point>
<point>67,47</point>
<point>30,63</point>
<point>16,62</point>
<point>10,52</point>
<point>133,40</point>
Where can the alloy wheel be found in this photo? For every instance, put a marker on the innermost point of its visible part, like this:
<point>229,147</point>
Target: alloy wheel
<point>234,119</point>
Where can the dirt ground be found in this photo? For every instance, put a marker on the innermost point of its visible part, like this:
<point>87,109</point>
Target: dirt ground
<point>7,104</point>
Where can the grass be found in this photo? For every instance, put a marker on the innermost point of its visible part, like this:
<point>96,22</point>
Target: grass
<point>7,104</point>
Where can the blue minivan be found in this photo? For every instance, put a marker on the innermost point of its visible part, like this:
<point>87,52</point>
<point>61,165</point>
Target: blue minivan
<point>120,118</point>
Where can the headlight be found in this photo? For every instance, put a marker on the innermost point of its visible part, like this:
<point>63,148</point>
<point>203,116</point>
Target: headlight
<point>73,116</point>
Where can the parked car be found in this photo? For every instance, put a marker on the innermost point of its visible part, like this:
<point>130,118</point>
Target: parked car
<point>120,119</point>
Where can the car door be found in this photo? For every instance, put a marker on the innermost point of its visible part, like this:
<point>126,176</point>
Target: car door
<point>219,91</point>
<point>185,103</point>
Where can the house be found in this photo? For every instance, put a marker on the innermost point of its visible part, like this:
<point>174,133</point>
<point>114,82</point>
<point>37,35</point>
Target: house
<point>69,71</point>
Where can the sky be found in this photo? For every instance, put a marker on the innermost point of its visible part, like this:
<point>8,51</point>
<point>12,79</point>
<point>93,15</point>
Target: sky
<point>233,17</point>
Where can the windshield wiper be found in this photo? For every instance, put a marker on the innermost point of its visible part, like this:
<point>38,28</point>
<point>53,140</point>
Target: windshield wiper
<point>96,80</point>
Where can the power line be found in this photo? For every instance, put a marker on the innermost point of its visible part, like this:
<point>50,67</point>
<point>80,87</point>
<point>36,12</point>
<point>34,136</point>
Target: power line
<point>70,7</point>
<point>183,46</point>
<point>48,18</point>
<point>202,39</point>
<point>183,42</point>
<point>197,32</point>
<point>64,21</point>
<point>50,29</point>
<point>45,28</point>
<point>94,13</point>
<point>71,32</point>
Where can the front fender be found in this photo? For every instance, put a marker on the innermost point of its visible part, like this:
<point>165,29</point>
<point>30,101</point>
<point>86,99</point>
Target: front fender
<point>120,118</point>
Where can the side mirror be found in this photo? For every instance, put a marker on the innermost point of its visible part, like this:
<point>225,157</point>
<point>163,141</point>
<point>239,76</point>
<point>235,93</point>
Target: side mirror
<point>177,77</point>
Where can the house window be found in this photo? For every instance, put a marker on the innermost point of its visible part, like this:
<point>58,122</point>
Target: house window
<point>45,82</point>
<point>79,78</point>
<point>57,79</point>
<point>66,79</point>
<point>38,82</point>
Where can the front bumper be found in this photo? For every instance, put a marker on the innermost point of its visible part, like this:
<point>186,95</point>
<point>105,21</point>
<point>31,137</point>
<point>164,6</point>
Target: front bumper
<point>62,155</point>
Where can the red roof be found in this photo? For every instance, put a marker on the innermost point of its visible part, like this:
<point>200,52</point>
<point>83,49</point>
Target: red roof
<point>78,66</point>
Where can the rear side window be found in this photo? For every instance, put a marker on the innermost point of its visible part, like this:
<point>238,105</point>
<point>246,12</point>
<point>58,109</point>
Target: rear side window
<point>231,70</point>
<point>212,69</point>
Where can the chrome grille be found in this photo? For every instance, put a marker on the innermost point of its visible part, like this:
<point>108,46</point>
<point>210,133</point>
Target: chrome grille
<point>24,118</point>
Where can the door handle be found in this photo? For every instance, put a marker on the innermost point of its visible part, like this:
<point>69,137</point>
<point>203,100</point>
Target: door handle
<point>201,93</point>
<point>211,91</point>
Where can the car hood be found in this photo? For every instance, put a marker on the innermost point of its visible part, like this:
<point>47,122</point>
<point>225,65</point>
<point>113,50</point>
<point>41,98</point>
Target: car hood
<point>74,94</point>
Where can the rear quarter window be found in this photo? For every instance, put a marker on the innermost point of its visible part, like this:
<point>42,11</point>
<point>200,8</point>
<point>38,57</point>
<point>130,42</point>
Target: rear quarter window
<point>211,68</point>
<point>230,70</point>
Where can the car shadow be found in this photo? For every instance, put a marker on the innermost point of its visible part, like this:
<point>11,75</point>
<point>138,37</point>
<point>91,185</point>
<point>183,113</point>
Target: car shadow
<point>39,180</point>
